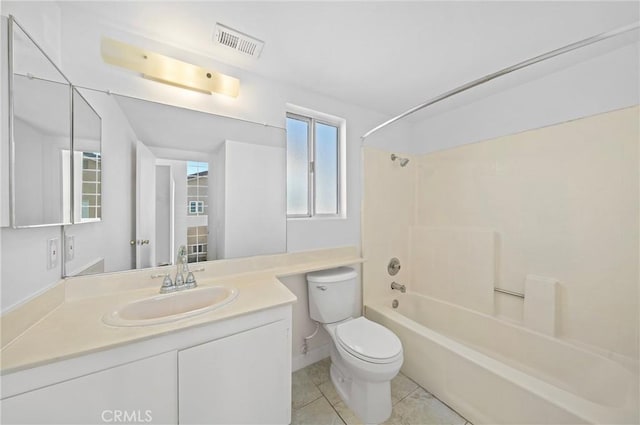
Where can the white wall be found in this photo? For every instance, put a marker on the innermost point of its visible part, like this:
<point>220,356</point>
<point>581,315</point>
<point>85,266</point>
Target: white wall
<point>602,83</point>
<point>89,249</point>
<point>24,251</point>
<point>24,267</point>
<point>42,20</point>
<point>247,200</point>
<point>255,181</point>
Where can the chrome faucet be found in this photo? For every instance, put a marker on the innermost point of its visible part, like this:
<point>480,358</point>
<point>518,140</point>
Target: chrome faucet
<point>398,287</point>
<point>167,284</point>
<point>184,277</point>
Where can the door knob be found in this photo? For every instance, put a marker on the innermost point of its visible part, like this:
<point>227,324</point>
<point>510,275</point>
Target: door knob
<point>139,242</point>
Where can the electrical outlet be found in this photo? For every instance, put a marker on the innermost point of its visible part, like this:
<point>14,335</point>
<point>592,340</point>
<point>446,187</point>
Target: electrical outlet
<point>52,253</point>
<point>70,247</point>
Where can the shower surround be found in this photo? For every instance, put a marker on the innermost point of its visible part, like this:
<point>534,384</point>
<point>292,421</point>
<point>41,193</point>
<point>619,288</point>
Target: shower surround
<point>561,202</point>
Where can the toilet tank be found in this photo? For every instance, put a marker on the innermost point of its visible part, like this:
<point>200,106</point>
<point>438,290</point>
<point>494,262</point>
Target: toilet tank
<point>332,294</point>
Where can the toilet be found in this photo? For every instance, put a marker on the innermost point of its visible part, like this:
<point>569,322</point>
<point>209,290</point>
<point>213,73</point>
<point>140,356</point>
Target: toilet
<point>365,356</point>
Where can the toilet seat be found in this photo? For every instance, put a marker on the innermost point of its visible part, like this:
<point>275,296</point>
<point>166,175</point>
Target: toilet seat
<point>368,341</point>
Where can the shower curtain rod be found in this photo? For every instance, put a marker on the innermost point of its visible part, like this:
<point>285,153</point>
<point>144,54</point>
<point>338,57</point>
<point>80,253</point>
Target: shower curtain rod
<point>507,70</point>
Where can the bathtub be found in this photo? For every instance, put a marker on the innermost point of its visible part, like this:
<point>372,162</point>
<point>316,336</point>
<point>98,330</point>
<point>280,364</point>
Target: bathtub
<point>492,371</point>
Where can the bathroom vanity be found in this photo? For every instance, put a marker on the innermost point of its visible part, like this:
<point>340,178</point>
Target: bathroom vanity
<point>203,373</point>
<point>207,375</point>
<point>227,365</point>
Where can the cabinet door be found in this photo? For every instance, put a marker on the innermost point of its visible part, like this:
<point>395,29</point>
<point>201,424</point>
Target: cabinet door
<point>143,391</point>
<point>241,379</point>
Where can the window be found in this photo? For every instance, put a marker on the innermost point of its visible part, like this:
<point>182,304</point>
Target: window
<point>91,186</point>
<point>196,207</point>
<point>197,241</point>
<point>314,166</point>
<point>197,187</point>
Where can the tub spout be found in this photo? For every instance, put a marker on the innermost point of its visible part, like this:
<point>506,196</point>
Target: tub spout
<point>397,286</point>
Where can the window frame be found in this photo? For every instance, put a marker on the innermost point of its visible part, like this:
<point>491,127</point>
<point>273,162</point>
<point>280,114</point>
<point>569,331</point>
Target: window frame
<point>199,207</point>
<point>312,119</point>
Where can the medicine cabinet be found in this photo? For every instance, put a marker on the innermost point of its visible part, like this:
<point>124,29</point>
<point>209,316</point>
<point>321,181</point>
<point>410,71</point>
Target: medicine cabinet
<point>54,137</point>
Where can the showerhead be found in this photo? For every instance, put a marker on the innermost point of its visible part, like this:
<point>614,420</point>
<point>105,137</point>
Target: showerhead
<point>403,161</point>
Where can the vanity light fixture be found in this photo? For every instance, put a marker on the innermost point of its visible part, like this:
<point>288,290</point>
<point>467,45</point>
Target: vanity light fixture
<point>164,69</point>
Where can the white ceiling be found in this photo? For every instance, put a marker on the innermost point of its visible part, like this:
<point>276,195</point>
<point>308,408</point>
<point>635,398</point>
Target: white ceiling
<point>385,56</point>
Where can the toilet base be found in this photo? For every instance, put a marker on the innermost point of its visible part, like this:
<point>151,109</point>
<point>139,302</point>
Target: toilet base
<point>370,401</point>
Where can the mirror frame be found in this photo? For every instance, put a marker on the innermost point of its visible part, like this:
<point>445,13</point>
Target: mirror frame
<point>12,159</point>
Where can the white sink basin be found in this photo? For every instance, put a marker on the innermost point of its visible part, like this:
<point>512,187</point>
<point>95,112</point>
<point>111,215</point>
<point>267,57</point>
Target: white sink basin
<point>170,307</point>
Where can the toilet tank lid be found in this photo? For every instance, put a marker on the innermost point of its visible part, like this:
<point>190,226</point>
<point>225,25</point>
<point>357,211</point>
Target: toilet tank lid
<point>332,275</point>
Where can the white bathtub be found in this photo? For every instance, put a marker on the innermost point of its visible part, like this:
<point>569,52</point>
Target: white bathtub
<point>495,372</point>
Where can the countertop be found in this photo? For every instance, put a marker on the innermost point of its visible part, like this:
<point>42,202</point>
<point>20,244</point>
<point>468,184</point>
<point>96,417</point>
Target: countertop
<point>75,326</point>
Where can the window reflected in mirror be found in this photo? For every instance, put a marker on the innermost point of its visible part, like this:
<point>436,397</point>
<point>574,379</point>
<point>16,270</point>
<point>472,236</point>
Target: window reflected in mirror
<point>197,210</point>
<point>91,204</point>
<point>87,161</point>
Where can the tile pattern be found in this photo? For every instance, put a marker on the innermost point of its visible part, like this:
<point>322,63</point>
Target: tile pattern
<point>315,401</point>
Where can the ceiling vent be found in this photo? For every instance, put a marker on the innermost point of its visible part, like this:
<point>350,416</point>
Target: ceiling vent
<point>238,41</point>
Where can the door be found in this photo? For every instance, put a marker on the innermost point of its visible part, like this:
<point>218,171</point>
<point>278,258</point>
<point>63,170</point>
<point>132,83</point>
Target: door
<point>145,207</point>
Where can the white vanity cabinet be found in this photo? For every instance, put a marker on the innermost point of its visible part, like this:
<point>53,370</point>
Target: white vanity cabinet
<point>232,371</point>
<point>141,391</point>
<point>255,368</point>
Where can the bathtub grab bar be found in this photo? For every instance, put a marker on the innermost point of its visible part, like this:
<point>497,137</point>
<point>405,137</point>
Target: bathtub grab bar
<point>504,291</point>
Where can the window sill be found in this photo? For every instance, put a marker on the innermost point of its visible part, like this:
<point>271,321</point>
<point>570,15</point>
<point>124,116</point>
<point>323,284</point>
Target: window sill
<point>318,218</point>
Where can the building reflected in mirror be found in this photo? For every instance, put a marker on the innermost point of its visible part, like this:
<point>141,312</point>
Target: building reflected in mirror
<point>197,210</point>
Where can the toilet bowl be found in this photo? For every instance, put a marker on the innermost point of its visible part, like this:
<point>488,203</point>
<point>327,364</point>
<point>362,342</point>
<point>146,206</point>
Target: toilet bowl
<point>365,356</point>
<point>362,366</point>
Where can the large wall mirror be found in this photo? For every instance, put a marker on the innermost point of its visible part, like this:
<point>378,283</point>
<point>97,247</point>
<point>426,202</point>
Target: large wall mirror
<point>132,181</point>
<point>173,177</point>
<point>40,136</point>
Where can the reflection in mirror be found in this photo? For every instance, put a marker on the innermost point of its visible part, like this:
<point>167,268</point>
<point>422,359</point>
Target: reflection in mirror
<point>182,210</point>
<point>197,210</point>
<point>213,184</point>
<point>41,136</point>
<point>87,161</point>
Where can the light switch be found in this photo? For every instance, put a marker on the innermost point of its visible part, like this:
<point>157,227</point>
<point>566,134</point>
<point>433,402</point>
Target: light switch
<point>52,245</point>
<point>70,247</point>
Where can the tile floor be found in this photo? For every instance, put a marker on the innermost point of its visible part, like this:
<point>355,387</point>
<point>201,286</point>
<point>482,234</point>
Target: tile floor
<point>314,401</point>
